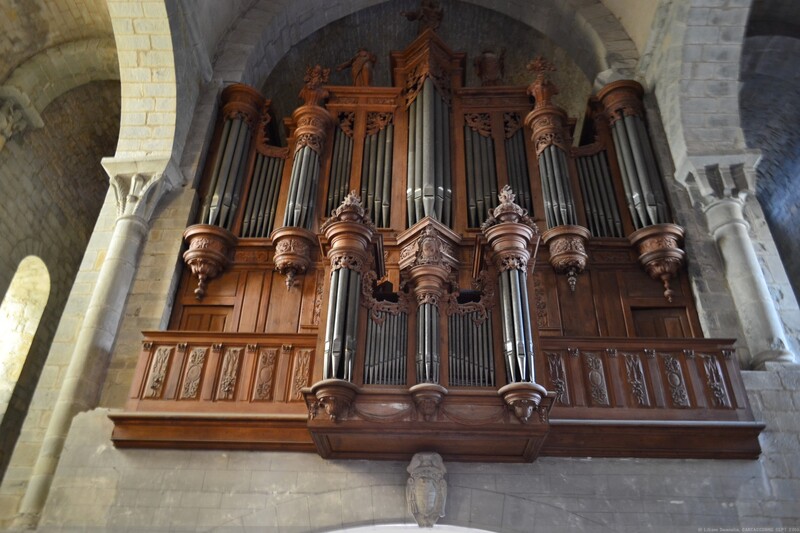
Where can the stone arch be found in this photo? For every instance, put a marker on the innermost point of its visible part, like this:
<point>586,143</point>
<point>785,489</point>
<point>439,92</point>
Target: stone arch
<point>45,76</point>
<point>148,79</point>
<point>770,111</point>
<point>586,29</point>
<point>696,80</point>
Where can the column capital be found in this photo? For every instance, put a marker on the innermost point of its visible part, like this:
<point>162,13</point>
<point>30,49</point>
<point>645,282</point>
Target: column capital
<point>140,183</point>
<point>714,177</point>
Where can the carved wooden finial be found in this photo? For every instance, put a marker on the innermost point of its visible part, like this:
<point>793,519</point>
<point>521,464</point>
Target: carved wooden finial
<point>312,92</point>
<point>508,211</point>
<point>350,210</point>
<point>542,89</point>
<point>429,15</point>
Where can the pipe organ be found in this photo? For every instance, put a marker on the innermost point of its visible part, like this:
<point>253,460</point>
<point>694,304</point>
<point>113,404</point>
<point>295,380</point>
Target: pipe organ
<point>429,266</point>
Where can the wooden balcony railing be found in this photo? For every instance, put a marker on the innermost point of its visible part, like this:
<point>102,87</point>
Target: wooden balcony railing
<point>610,397</point>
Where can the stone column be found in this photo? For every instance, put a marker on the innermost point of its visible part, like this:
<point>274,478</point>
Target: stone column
<point>762,326</point>
<point>138,186</point>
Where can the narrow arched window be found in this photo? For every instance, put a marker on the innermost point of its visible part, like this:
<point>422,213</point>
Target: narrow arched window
<point>20,313</point>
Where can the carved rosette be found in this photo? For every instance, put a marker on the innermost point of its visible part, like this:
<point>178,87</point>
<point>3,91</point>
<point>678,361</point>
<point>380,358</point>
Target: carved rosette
<point>334,396</point>
<point>208,253</point>
<point>427,398</point>
<point>510,233</point>
<point>660,253</point>
<point>293,248</point>
<point>622,98</point>
<point>523,399</point>
<point>547,121</point>
<point>567,246</point>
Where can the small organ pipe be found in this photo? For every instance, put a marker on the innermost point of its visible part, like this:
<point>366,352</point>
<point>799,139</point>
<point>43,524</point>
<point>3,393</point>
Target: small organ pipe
<point>327,370</point>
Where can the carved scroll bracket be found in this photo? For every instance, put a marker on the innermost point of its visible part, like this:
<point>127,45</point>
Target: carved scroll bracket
<point>660,253</point>
<point>567,245</point>
<point>208,254</point>
<point>293,249</point>
<point>335,398</point>
<point>427,398</point>
<point>524,400</point>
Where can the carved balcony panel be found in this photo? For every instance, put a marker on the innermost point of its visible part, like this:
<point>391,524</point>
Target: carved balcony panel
<point>648,398</point>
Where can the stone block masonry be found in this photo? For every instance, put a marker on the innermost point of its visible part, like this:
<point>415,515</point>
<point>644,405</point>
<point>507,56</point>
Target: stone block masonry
<point>243,491</point>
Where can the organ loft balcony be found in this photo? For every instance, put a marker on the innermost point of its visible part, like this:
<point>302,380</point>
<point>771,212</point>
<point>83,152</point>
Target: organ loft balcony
<point>433,267</point>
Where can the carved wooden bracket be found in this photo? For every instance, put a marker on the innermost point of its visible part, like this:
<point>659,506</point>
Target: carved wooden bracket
<point>334,396</point>
<point>208,253</point>
<point>660,253</point>
<point>524,400</point>
<point>427,397</point>
<point>293,248</point>
<point>567,245</point>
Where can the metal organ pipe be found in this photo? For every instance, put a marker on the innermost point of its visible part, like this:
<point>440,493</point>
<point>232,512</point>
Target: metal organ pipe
<point>430,185</point>
<point>641,178</point>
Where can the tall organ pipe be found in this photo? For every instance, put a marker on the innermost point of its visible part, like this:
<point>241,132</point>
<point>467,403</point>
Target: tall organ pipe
<point>641,178</point>
<point>510,235</point>
<point>349,232</point>
<point>430,191</point>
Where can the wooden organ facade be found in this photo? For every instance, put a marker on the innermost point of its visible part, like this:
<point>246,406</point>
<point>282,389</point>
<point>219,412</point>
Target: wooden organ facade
<point>487,290</point>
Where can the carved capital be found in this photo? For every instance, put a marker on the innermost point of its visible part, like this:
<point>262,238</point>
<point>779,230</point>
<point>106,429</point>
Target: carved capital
<point>312,126</point>
<point>349,231</point>
<point>621,99</point>
<point>139,184</point>
<point>243,102</point>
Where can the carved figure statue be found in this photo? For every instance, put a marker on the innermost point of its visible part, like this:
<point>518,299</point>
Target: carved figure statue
<point>361,66</point>
<point>426,489</point>
<point>490,67</point>
<point>11,121</point>
<point>313,92</point>
<point>429,15</point>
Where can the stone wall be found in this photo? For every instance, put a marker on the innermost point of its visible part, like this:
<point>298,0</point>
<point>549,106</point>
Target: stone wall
<point>98,486</point>
<point>53,185</point>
